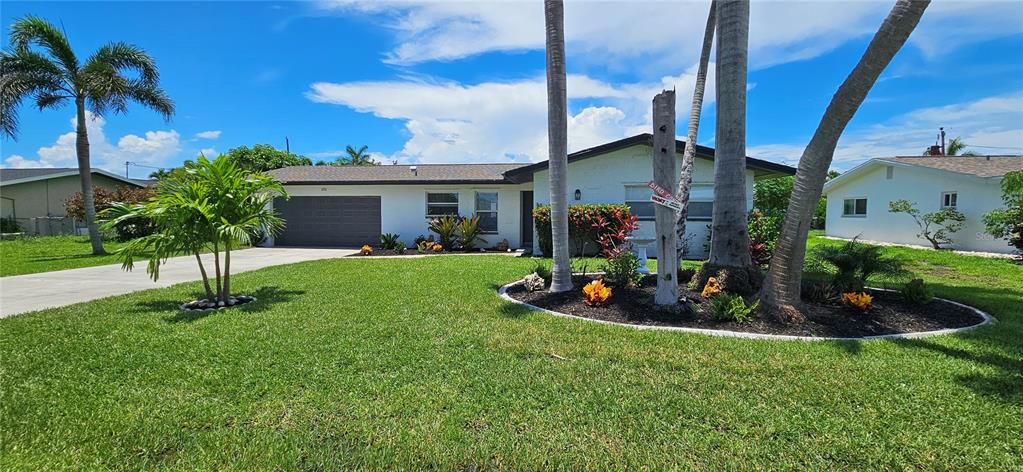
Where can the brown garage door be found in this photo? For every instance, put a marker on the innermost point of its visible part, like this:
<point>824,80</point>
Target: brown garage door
<point>329,221</point>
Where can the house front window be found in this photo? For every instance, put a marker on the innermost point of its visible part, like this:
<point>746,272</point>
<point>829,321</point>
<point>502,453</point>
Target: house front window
<point>854,207</point>
<point>949,199</point>
<point>700,211</point>
<point>441,204</point>
<point>486,209</point>
<point>637,197</point>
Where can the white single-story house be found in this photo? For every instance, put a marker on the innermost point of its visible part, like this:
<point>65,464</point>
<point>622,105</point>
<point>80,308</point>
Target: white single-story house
<point>858,199</point>
<point>352,206</point>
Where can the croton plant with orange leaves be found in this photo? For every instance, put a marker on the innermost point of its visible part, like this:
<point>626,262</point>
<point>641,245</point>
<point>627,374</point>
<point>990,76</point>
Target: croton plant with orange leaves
<point>596,293</point>
<point>859,300</point>
<point>367,250</point>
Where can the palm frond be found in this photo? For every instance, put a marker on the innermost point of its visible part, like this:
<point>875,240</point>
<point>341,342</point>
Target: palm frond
<point>123,56</point>
<point>32,29</point>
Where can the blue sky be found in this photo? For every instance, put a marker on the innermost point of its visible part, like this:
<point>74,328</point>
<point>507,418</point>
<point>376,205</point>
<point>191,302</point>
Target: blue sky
<point>463,82</point>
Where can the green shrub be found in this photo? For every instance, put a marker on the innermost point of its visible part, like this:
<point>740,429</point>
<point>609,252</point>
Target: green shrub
<point>391,242</point>
<point>936,227</point>
<point>446,228</point>
<point>1008,222</point>
<point>917,292</point>
<point>582,225</point>
<point>469,232</point>
<point>621,272</point>
<point>854,262</point>
<point>732,307</point>
<point>9,225</point>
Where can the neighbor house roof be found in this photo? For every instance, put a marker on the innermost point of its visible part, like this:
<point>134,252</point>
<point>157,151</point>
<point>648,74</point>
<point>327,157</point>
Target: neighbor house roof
<point>20,176</point>
<point>981,166</point>
<point>759,166</point>
<point>395,174</point>
<point>985,167</point>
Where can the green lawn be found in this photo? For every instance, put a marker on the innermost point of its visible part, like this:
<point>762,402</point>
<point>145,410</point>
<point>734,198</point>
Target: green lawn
<point>387,363</point>
<point>48,253</point>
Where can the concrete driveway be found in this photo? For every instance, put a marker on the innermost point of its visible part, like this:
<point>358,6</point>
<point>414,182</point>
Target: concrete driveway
<point>24,293</point>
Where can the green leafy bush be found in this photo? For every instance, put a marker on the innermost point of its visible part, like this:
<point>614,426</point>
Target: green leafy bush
<point>9,225</point>
<point>621,272</point>
<point>587,224</point>
<point>446,228</point>
<point>732,307</point>
<point>936,227</point>
<point>390,241</point>
<point>469,232</point>
<point>1008,222</point>
<point>917,292</point>
<point>854,262</point>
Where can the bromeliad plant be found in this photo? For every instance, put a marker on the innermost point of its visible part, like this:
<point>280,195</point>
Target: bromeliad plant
<point>212,205</point>
<point>596,293</point>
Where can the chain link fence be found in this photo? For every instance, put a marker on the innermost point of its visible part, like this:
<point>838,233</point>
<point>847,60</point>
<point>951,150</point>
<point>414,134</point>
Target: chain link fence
<point>47,226</point>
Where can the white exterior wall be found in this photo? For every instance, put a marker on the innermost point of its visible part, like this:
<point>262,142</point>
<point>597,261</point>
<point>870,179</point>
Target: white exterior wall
<point>602,179</point>
<point>923,186</point>
<point>403,207</point>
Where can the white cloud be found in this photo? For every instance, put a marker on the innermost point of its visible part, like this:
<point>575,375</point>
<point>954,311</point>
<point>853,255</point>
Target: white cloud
<point>662,33</point>
<point>213,134</point>
<point>209,152</point>
<point>500,121</point>
<point>154,148</point>
<point>996,123</point>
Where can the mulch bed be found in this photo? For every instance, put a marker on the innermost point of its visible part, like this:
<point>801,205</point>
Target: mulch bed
<point>414,252</point>
<point>889,315</point>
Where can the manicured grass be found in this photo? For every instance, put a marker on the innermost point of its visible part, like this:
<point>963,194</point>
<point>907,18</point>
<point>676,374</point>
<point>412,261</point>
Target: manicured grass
<point>416,363</point>
<point>48,253</point>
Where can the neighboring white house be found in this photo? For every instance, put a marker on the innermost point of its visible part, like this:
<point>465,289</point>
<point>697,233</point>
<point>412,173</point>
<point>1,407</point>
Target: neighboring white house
<point>858,199</point>
<point>352,206</point>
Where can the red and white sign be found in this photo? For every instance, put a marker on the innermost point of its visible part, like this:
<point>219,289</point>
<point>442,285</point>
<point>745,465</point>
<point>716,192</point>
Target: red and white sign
<point>663,197</point>
<point>660,190</point>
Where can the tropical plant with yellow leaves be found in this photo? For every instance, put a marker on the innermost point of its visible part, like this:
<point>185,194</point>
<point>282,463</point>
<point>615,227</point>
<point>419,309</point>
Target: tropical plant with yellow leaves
<point>596,293</point>
<point>859,300</point>
<point>366,250</point>
<point>712,288</point>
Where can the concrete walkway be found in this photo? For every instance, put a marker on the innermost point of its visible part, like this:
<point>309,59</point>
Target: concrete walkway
<point>24,293</point>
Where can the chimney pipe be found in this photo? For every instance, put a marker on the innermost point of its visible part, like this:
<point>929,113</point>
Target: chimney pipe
<point>942,129</point>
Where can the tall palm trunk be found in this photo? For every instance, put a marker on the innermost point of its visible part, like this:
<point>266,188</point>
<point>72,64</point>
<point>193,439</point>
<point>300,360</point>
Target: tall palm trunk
<point>729,236</point>
<point>782,286</point>
<point>205,278</point>
<point>85,174</point>
<point>685,181</point>
<point>557,138</point>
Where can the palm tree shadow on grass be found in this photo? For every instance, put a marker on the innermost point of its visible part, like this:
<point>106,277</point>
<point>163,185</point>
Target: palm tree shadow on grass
<point>266,298</point>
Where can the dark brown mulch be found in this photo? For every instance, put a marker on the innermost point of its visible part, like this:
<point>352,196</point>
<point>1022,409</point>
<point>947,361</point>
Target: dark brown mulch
<point>889,315</point>
<point>414,252</point>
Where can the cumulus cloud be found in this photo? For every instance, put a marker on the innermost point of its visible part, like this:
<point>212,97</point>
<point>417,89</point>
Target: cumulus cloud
<point>214,134</point>
<point>499,121</point>
<point>993,124</point>
<point>153,148</point>
<point>209,152</point>
<point>654,33</point>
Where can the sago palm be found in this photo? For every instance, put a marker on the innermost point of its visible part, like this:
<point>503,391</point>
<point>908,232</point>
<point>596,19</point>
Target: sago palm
<point>40,65</point>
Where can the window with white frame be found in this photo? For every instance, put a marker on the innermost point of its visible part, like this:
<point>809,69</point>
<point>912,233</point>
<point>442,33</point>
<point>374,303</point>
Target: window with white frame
<point>486,209</point>
<point>854,207</point>
<point>949,199</point>
<point>637,197</point>
<point>441,204</point>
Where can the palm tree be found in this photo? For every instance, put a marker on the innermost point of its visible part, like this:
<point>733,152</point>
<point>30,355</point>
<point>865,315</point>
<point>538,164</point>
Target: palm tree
<point>41,65</point>
<point>685,181</point>
<point>729,236</point>
<point>356,157</point>
<point>557,142</point>
<point>956,146</point>
<point>213,205</point>
<point>782,286</point>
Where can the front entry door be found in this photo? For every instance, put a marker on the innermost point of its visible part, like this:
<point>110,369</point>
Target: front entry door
<point>526,205</point>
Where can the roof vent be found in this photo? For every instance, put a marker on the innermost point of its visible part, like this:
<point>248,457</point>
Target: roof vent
<point>414,169</point>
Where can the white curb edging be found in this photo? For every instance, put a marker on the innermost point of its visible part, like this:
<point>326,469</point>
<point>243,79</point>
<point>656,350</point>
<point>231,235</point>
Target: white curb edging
<point>988,319</point>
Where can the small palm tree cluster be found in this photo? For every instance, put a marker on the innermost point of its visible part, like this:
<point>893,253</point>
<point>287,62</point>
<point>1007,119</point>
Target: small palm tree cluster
<point>212,206</point>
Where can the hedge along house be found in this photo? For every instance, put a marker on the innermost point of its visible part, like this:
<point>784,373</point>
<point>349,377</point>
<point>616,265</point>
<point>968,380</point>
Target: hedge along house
<point>35,197</point>
<point>352,206</point>
<point>858,199</point>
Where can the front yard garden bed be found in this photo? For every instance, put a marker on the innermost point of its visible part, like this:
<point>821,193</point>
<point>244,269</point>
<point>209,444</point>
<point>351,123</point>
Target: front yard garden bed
<point>889,315</point>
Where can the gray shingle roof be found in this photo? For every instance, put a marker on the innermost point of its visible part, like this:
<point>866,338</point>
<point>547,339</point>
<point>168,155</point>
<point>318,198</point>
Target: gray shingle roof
<point>395,174</point>
<point>7,175</point>
<point>981,166</point>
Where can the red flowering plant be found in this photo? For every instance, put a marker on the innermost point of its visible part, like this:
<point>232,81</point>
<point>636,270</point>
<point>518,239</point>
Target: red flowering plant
<point>614,231</point>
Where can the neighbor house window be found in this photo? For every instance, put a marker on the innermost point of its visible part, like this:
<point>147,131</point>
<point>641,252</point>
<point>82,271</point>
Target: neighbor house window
<point>486,209</point>
<point>637,197</point>
<point>854,207</point>
<point>441,204</point>
<point>949,199</point>
<point>701,211</point>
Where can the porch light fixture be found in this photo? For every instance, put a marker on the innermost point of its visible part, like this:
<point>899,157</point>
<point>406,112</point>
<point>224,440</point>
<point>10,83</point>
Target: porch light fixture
<point>578,194</point>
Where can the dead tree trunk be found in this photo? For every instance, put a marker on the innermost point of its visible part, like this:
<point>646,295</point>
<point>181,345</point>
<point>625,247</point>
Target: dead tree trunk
<point>664,217</point>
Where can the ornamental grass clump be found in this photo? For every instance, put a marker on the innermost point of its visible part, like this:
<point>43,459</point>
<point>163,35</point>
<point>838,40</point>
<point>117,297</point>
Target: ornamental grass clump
<point>858,300</point>
<point>596,293</point>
